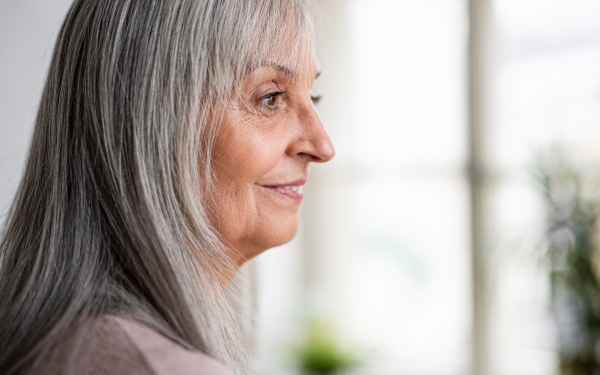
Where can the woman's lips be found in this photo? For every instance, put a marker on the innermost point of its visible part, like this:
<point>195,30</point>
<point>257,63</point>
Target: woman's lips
<point>292,190</point>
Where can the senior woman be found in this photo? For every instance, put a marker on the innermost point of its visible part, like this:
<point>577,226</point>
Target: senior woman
<point>171,145</point>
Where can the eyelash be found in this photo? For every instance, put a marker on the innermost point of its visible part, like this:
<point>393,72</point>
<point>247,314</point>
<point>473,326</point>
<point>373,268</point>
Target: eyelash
<point>269,97</point>
<point>273,96</point>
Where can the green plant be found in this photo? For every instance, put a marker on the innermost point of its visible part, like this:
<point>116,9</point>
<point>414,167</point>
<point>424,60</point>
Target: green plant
<point>572,254</point>
<point>321,352</point>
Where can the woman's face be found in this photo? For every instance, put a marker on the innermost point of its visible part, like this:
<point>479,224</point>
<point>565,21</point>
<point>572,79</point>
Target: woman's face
<point>266,140</point>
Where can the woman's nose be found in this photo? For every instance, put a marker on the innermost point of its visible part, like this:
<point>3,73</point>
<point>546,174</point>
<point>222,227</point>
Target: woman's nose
<point>313,140</point>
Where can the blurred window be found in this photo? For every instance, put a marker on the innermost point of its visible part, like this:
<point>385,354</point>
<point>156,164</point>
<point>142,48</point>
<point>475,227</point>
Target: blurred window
<point>385,241</point>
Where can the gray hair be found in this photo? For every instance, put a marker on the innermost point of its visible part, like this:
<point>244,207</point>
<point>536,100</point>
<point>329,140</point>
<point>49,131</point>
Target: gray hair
<point>110,213</point>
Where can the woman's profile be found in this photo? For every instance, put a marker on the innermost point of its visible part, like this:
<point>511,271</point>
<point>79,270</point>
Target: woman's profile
<point>171,144</point>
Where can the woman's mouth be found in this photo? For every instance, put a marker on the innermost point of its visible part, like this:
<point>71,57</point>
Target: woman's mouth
<point>293,192</point>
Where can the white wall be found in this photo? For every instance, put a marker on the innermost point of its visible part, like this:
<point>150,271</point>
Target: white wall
<point>28,29</point>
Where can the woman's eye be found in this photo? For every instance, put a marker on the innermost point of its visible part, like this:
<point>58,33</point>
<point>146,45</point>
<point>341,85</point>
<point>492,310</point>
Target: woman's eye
<point>314,97</point>
<point>270,100</point>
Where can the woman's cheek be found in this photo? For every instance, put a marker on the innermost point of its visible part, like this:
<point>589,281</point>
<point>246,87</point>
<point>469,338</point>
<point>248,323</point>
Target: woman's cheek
<point>264,153</point>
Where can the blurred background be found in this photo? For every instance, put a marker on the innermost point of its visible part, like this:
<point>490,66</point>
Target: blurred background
<point>454,233</point>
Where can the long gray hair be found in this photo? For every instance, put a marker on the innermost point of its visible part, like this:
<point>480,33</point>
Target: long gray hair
<point>110,214</point>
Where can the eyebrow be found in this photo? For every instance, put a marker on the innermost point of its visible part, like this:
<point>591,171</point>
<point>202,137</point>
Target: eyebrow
<point>285,70</point>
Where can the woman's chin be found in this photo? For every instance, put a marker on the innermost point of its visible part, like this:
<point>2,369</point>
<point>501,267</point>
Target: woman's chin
<point>269,240</point>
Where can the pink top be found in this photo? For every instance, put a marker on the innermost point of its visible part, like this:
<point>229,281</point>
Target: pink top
<point>119,346</point>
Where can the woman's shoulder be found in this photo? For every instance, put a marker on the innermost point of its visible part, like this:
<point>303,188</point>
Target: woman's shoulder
<point>115,345</point>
